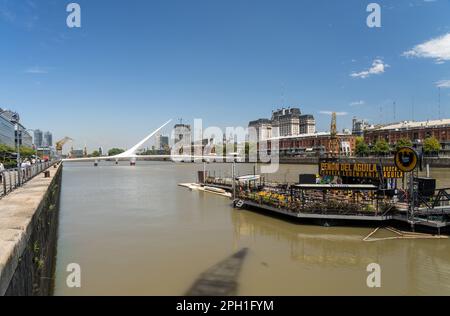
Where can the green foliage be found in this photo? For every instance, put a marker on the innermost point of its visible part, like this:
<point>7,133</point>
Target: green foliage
<point>149,152</point>
<point>431,145</point>
<point>5,149</point>
<point>26,152</point>
<point>95,153</point>
<point>6,157</point>
<point>403,142</point>
<point>115,151</point>
<point>36,247</point>
<point>381,147</point>
<point>362,149</point>
<point>250,148</point>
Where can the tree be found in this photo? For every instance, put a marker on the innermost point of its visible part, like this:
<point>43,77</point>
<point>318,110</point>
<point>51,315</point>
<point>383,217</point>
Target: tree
<point>115,151</point>
<point>381,147</point>
<point>403,142</point>
<point>431,145</point>
<point>250,148</point>
<point>6,157</point>
<point>95,153</point>
<point>27,152</point>
<point>362,149</point>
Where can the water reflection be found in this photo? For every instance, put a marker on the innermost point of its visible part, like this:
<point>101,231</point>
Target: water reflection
<point>409,266</point>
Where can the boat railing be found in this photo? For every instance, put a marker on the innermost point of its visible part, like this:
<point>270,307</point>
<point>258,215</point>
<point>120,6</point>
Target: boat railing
<point>340,202</point>
<point>435,207</point>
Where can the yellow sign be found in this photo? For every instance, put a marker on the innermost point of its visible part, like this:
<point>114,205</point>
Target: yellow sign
<point>358,170</point>
<point>406,159</point>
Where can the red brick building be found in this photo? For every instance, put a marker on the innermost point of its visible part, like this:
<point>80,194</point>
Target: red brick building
<point>321,143</point>
<point>417,132</point>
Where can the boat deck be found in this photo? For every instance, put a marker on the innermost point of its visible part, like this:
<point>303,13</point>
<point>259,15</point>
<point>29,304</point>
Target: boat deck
<point>356,218</point>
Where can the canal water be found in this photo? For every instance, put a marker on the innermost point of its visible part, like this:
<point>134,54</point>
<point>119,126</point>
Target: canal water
<point>134,231</point>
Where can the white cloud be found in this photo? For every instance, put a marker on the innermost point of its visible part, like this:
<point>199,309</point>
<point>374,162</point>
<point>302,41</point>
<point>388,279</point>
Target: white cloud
<point>357,103</point>
<point>437,48</point>
<point>331,112</point>
<point>36,70</point>
<point>378,67</point>
<point>443,84</point>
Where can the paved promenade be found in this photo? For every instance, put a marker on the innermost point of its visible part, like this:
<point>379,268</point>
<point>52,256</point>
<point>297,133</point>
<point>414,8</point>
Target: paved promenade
<point>17,210</point>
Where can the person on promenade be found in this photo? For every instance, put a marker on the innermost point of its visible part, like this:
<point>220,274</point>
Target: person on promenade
<point>2,168</point>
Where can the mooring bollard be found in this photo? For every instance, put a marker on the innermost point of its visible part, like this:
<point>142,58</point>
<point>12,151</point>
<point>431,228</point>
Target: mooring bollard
<point>47,174</point>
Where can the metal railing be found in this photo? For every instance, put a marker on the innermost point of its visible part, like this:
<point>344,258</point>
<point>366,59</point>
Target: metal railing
<point>11,179</point>
<point>316,202</point>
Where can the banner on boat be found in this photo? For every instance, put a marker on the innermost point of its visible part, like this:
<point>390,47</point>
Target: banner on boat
<point>358,170</point>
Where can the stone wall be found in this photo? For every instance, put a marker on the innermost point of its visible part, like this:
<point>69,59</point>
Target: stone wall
<point>29,236</point>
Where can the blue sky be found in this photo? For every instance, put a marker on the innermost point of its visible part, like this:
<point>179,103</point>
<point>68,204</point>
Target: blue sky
<point>134,64</point>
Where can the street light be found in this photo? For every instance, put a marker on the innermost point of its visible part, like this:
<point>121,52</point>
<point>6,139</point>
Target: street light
<point>17,138</point>
<point>233,174</point>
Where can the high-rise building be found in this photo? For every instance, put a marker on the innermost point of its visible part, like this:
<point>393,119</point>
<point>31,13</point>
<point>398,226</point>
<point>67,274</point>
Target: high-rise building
<point>263,128</point>
<point>38,138</point>
<point>286,122</point>
<point>182,132</point>
<point>307,124</point>
<point>359,126</point>
<point>161,142</point>
<point>48,139</point>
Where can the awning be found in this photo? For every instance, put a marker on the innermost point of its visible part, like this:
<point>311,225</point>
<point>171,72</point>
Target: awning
<point>368,187</point>
<point>249,178</point>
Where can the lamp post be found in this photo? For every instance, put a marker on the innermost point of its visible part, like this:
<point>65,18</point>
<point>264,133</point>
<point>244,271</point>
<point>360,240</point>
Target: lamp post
<point>18,137</point>
<point>233,174</point>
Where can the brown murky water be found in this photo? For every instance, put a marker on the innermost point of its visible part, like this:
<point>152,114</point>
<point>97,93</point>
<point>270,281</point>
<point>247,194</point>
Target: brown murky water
<point>133,231</point>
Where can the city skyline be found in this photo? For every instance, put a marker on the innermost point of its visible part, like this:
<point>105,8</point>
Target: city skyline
<point>116,78</point>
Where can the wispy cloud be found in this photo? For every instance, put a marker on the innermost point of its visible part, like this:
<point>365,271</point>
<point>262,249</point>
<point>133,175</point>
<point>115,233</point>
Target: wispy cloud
<point>443,84</point>
<point>357,103</point>
<point>378,67</point>
<point>23,14</point>
<point>437,48</point>
<point>36,70</point>
<point>331,112</point>
<point>5,13</point>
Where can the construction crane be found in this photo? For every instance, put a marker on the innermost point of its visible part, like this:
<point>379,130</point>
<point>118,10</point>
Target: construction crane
<point>60,144</point>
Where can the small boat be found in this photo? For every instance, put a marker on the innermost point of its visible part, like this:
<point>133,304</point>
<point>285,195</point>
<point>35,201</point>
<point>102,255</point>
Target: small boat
<point>215,190</point>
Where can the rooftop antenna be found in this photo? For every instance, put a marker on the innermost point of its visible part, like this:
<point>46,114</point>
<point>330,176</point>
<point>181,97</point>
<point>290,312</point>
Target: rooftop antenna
<point>283,97</point>
<point>395,110</point>
<point>439,103</point>
<point>181,121</point>
<point>381,114</point>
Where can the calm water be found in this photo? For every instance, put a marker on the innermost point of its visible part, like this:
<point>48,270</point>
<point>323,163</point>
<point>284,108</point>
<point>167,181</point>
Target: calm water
<point>135,232</point>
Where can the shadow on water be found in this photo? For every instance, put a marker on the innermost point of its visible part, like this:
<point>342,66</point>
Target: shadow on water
<point>221,279</point>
